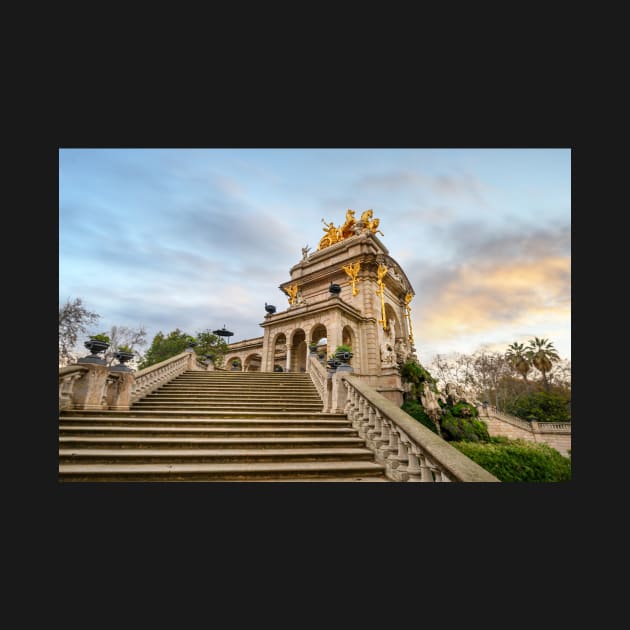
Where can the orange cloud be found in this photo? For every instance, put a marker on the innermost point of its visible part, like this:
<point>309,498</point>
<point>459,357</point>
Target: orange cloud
<point>483,298</point>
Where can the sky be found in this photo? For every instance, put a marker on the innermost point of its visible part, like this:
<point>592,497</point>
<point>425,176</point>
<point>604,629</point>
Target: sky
<point>200,238</point>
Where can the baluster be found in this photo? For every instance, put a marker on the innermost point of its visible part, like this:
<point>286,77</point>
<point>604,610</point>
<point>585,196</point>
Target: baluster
<point>413,467</point>
<point>378,427</point>
<point>355,408</point>
<point>425,466</point>
<point>392,457</point>
<point>361,416</point>
<point>383,446</point>
<point>371,414</point>
<point>403,455</point>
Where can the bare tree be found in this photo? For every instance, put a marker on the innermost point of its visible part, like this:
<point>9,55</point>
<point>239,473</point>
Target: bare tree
<point>125,336</point>
<point>74,318</point>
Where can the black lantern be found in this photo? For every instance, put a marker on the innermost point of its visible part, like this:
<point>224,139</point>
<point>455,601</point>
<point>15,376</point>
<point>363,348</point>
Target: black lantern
<point>335,289</point>
<point>223,332</point>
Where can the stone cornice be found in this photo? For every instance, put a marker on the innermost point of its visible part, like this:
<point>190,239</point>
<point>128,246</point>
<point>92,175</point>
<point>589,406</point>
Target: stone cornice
<point>308,310</point>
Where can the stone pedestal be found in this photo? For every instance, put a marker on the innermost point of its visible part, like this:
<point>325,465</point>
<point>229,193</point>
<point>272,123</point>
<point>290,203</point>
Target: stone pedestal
<point>119,392</point>
<point>89,389</point>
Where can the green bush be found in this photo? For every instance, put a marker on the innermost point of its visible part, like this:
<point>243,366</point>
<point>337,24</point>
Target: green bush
<point>101,337</point>
<point>468,429</point>
<point>517,460</point>
<point>464,410</point>
<point>416,411</point>
<point>541,406</point>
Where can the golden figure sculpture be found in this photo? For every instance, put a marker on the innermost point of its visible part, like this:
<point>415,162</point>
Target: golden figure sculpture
<point>346,229</point>
<point>292,291</point>
<point>331,237</point>
<point>382,272</point>
<point>335,234</point>
<point>369,223</point>
<point>353,272</point>
<point>408,298</point>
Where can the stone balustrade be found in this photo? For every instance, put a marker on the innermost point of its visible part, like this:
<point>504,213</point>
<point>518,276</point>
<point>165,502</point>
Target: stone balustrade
<point>554,434</point>
<point>408,450</point>
<point>318,375</point>
<point>91,386</point>
<point>149,379</point>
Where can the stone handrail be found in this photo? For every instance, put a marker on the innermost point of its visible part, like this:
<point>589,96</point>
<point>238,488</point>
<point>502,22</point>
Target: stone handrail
<point>318,375</point>
<point>409,451</point>
<point>149,379</point>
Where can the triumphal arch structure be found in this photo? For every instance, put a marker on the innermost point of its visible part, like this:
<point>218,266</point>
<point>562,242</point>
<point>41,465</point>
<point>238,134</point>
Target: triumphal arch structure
<point>349,291</point>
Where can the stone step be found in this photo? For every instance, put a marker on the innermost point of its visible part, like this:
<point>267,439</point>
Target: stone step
<point>123,442</point>
<point>217,472</point>
<point>209,456</point>
<point>235,389</point>
<point>269,397</point>
<point>227,431</point>
<point>227,406</point>
<point>188,414</point>
<point>146,424</point>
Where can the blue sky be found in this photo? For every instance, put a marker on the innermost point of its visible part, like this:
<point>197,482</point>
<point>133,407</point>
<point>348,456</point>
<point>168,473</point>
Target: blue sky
<point>197,238</point>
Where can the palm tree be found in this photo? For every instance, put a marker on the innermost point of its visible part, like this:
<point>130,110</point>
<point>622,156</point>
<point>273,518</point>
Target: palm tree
<point>542,354</point>
<point>518,358</point>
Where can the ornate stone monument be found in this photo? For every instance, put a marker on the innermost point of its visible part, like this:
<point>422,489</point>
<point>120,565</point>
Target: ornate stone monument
<point>371,314</point>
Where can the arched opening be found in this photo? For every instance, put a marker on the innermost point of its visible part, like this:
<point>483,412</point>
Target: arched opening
<point>348,337</point>
<point>319,336</point>
<point>280,351</point>
<point>252,363</point>
<point>234,364</point>
<point>298,351</point>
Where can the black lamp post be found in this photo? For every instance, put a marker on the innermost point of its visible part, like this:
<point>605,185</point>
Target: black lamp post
<point>223,332</point>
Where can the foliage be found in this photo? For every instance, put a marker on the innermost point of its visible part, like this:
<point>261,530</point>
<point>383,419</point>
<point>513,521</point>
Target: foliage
<point>463,428</point>
<point>104,337</point>
<point>123,336</point>
<point>414,373</point>
<point>164,347</point>
<point>517,460</point>
<point>541,406</point>
<point>416,411</point>
<point>543,355</point>
<point>343,348</point>
<point>124,348</point>
<point>519,359</point>
<point>74,319</point>
<point>464,410</point>
<point>490,376</point>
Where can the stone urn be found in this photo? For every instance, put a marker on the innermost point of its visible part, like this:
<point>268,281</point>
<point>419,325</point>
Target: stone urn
<point>343,358</point>
<point>95,346</point>
<point>313,348</point>
<point>122,358</point>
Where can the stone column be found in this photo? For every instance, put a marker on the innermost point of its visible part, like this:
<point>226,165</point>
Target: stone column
<point>89,389</point>
<point>288,365</point>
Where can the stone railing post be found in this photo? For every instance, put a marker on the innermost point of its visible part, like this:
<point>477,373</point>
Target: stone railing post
<point>119,394</point>
<point>89,390</point>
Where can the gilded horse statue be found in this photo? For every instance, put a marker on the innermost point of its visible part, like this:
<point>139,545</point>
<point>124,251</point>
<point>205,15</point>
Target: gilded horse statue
<point>369,223</point>
<point>335,234</point>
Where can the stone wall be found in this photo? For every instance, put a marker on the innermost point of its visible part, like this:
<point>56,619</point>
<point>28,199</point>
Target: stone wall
<point>556,435</point>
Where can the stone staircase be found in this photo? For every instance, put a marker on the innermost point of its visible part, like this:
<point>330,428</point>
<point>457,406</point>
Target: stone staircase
<point>217,426</point>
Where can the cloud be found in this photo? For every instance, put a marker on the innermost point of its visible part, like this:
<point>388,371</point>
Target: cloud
<point>493,281</point>
<point>462,185</point>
